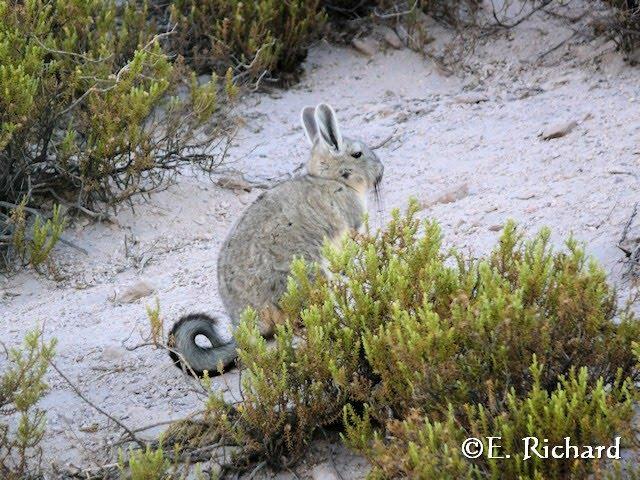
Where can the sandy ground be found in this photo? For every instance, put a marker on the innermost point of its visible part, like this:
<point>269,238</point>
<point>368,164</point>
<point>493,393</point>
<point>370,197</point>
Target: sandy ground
<point>466,144</point>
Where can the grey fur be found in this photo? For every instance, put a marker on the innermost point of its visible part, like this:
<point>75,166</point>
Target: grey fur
<point>309,123</point>
<point>328,127</point>
<point>292,219</point>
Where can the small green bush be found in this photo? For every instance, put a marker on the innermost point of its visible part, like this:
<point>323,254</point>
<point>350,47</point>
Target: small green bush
<point>34,246</point>
<point>418,345</point>
<point>153,463</point>
<point>149,464</point>
<point>421,448</point>
<point>21,422</point>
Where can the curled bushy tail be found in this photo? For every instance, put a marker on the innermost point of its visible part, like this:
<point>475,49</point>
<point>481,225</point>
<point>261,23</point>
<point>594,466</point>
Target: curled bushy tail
<point>183,347</point>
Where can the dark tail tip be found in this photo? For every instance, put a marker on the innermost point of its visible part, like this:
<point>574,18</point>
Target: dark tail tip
<point>178,358</point>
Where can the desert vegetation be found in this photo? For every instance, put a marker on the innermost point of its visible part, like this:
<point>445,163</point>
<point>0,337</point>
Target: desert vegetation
<point>22,423</point>
<point>407,349</point>
<point>404,351</point>
<point>84,84</point>
<point>100,100</point>
<point>411,349</point>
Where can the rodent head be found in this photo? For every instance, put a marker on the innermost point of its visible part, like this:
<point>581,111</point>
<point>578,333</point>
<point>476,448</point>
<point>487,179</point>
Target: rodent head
<point>336,157</point>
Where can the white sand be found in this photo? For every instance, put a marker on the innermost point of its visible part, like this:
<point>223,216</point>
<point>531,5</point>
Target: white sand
<point>487,157</point>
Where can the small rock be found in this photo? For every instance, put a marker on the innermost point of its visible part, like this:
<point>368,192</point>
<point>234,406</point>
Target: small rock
<point>365,47</point>
<point>401,117</point>
<point>323,472</point>
<point>135,292</point>
<point>612,64</point>
<point>392,39</point>
<point>111,353</point>
<point>526,196</point>
<point>90,427</point>
<point>454,195</point>
<point>495,228</point>
<point>558,130</point>
<point>471,97</point>
<point>523,93</point>
<point>234,182</point>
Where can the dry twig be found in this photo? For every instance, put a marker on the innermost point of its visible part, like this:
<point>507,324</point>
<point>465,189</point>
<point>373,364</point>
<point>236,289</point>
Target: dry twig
<point>100,410</point>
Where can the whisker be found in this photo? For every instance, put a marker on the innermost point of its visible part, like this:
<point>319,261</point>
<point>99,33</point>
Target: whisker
<point>377,194</point>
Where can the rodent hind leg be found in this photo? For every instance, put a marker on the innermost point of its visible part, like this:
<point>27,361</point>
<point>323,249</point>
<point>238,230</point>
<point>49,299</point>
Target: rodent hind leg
<point>269,316</point>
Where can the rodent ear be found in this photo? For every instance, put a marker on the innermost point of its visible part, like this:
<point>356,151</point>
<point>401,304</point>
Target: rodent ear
<point>309,123</point>
<point>328,127</point>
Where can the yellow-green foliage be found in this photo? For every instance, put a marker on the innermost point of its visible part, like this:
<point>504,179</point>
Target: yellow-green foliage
<point>34,247</point>
<point>149,464</point>
<point>524,340</point>
<point>429,446</point>
<point>81,85</point>
<point>21,422</point>
<point>155,322</point>
<point>154,464</point>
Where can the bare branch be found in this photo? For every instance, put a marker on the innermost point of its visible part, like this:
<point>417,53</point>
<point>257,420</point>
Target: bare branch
<point>129,432</point>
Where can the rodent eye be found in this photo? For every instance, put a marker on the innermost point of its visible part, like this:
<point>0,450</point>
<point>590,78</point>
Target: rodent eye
<point>356,154</point>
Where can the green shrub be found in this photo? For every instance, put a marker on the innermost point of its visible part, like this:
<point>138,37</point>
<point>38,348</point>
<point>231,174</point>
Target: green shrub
<point>149,464</point>
<point>421,448</point>
<point>34,246</point>
<point>407,332</point>
<point>21,422</point>
<point>253,37</point>
<point>92,111</point>
<point>155,464</point>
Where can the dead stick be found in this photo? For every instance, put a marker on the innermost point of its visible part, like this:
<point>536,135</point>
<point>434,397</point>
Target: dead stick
<point>97,408</point>
<point>383,142</point>
<point>622,172</point>
<point>625,232</point>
